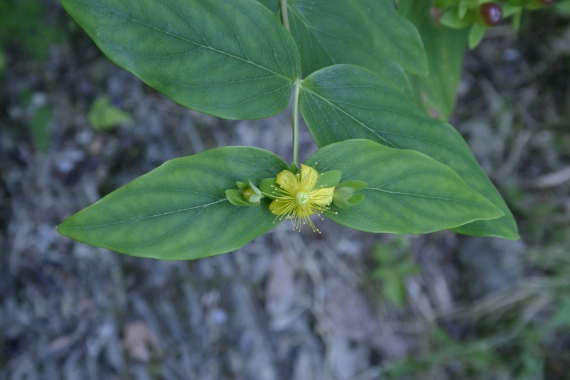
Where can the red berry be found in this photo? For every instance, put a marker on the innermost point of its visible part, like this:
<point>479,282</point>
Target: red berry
<point>546,3</point>
<point>491,13</point>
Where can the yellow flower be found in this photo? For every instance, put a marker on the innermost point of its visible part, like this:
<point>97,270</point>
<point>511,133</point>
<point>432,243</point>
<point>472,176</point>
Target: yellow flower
<point>297,199</point>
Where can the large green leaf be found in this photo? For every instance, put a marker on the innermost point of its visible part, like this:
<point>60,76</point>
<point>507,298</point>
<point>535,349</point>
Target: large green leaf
<point>179,211</point>
<point>407,192</point>
<point>361,32</point>
<point>228,58</point>
<point>395,37</point>
<point>273,5</point>
<point>345,102</point>
<point>445,49</point>
<point>331,32</point>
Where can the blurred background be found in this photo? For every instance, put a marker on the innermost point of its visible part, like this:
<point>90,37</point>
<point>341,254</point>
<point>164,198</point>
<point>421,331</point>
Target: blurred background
<point>336,305</point>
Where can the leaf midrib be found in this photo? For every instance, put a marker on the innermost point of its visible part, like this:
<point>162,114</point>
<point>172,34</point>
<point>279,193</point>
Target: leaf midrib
<point>193,42</point>
<point>310,29</point>
<point>146,216</point>
<point>211,48</point>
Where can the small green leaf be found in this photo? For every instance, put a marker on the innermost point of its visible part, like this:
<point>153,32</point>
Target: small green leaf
<point>266,187</point>
<point>343,193</point>
<point>236,198</point>
<point>509,10</point>
<point>255,199</point>
<point>476,34</point>
<point>103,115</point>
<point>227,58</point>
<point>344,197</point>
<point>517,20</point>
<point>354,185</point>
<point>462,9</point>
<point>407,193</point>
<point>355,199</point>
<point>293,168</point>
<point>451,19</point>
<point>179,211</point>
<point>328,179</point>
<point>344,102</point>
<point>340,199</point>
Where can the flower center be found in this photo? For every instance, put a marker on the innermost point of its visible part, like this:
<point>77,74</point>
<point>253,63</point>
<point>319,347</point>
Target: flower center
<point>301,198</point>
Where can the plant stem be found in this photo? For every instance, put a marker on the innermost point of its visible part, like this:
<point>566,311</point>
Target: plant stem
<point>297,86</point>
<point>284,15</point>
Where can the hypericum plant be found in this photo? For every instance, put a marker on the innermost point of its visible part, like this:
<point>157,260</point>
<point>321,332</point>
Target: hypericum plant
<point>384,165</point>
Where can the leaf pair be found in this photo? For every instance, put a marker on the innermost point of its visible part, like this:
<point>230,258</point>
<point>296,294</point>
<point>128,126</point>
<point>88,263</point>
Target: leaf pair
<point>179,211</point>
<point>234,59</point>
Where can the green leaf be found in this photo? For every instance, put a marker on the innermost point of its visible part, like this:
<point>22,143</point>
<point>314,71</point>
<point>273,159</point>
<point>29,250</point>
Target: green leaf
<point>407,193</point>
<point>352,185</point>
<point>476,34</point>
<point>104,116</point>
<point>179,211</point>
<point>328,179</point>
<point>395,37</point>
<point>340,198</point>
<point>293,168</point>
<point>266,186</point>
<point>345,102</point>
<point>236,198</point>
<point>445,48</point>
<point>273,5</point>
<point>228,58</point>
<point>452,19</point>
<point>517,20</point>
<point>355,199</point>
<point>337,31</point>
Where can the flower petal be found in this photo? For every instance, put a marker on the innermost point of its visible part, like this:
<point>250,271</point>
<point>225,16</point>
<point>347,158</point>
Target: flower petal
<point>303,212</point>
<point>309,178</point>
<point>281,206</point>
<point>288,181</point>
<point>322,197</point>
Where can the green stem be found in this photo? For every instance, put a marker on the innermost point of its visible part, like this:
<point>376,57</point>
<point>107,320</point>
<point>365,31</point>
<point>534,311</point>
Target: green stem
<point>284,15</point>
<point>297,86</point>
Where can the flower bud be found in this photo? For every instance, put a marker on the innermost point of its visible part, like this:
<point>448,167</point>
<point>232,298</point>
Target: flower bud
<point>490,14</point>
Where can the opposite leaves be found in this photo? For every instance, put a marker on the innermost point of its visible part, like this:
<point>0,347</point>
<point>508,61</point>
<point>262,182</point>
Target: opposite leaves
<point>181,210</point>
<point>227,58</point>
